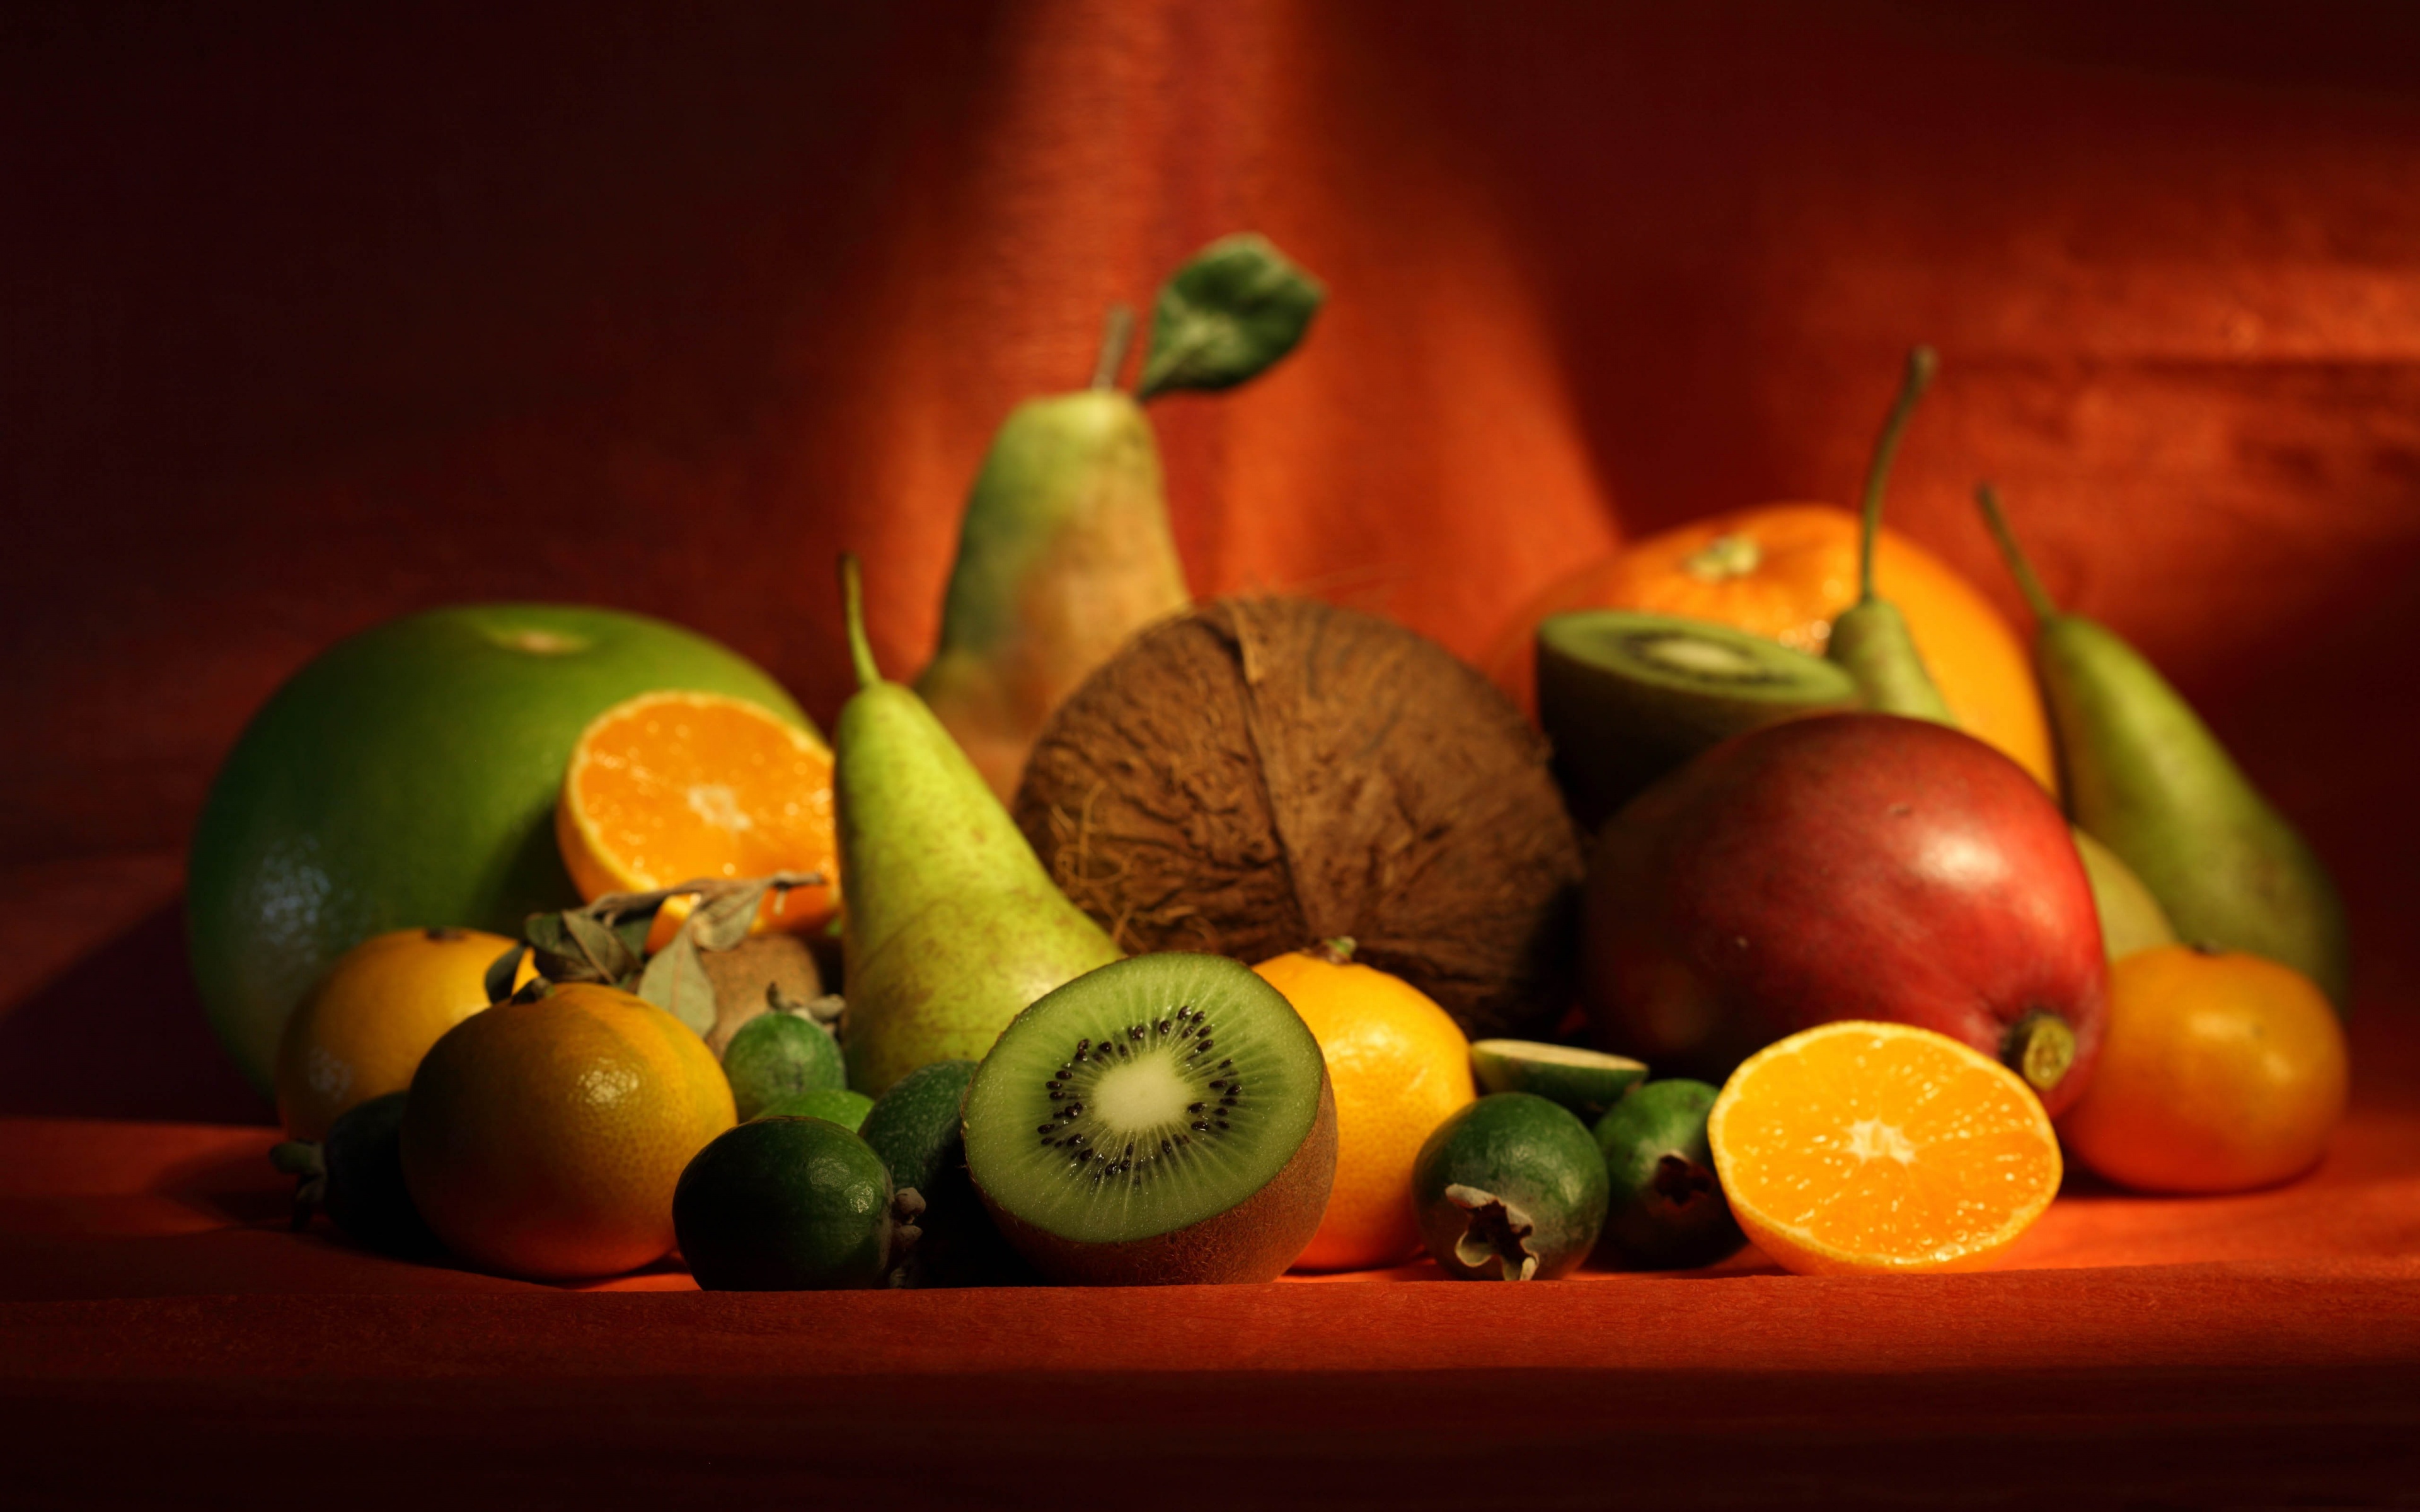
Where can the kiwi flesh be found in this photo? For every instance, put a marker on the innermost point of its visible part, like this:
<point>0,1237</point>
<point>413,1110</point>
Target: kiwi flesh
<point>1588,1081</point>
<point>1626,697</point>
<point>1164,1119</point>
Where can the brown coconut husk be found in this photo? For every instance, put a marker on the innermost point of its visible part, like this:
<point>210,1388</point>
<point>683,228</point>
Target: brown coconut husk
<point>1265,774</point>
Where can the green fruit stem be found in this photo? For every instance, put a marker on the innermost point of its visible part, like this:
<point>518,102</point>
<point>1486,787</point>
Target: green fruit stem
<point>2040,1047</point>
<point>1336,952</point>
<point>1921,364</point>
<point>1117,334</point>
<point>1988,498</point>
<point>852,601</point>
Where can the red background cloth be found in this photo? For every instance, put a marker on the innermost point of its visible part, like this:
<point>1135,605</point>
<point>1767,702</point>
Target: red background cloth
<point>314,315</point>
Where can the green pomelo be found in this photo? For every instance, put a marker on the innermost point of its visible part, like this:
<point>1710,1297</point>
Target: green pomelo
<point>405,777</point>
<point>1588,1081</point>
<point>778,1055</point>
<point>1161,1119</point>
<point>1510,1188</point>
<point>1667,1211</point>
<point>837,1104</point>
<point>787,1204</point>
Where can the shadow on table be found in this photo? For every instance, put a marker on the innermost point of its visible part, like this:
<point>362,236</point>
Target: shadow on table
<point>121,1035</point>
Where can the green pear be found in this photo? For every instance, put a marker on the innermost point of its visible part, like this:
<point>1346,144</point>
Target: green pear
<point>2131,919</point>
<point>2146,777</point>
<point>1869,638</point>
<point>1063,554</point>
<point>950,926</point>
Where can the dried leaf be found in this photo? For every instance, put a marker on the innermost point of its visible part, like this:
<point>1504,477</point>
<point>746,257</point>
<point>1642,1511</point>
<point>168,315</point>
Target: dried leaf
<point>1236,308</point>
<point>675,982</point>
<point>721,922</point>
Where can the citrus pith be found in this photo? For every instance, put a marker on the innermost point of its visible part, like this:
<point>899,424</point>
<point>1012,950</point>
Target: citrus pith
<point>1400,1066</point>
<point>544,1138</point>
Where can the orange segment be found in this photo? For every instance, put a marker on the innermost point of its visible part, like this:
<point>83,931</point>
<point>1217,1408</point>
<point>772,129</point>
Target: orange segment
<point>671,786</point>
<point>1860,1147</point>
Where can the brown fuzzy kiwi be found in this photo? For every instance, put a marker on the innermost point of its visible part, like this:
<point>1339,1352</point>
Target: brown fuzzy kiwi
<point>741,974</point>
<point>1266,773</point>
<point>1253,1241</point>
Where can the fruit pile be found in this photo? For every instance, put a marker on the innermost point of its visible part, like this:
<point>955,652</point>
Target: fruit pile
<point>1161,931</point>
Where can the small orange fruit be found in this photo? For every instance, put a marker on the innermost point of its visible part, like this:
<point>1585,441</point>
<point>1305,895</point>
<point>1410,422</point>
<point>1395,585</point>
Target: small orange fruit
<point>544,1138</point>
<point>1400,1066</point>
<point>1859,1148</point>
<point>1783,571</point>
<point>669,786</point>
<point>361,1030</point>
<point>2219,1071</point>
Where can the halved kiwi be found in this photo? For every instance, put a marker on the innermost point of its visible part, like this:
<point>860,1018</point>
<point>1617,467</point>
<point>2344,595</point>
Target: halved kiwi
<point>1162,1120</point>
<point>1626,697</point>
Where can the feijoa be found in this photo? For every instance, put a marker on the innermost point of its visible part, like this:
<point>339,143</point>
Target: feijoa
<point>838,1103</point>
<point>914,1127</point>
<point>1510,1188</point>
<point>782,1204</point>
<point>1588,1081</point>
<point>1667,1212</point>
<point>356,1176</point>
<point>774,1056</point>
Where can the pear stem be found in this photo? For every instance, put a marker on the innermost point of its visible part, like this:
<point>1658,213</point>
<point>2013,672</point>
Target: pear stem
<point>852,602</point>
<point>2028,584</point>
<point>1921,364</point>
<point>1117,334</point>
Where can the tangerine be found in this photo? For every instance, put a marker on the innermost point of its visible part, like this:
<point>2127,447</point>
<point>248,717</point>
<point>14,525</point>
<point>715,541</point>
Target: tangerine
<point>545,1139</point>
<point>1400,1067</point>
<point>1784,571</point>
<point>1861,1148</point>
<point>2220,1071</point>
<point>365,1027</point>
<point>672,785</point>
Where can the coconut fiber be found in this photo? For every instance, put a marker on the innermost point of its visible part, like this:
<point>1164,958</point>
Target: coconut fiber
<point>1265,774</point>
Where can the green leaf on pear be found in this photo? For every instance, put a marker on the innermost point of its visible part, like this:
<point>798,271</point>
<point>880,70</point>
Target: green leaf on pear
<point>1236,308</point>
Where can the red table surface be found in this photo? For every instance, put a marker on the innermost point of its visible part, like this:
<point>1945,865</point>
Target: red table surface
<point>317,314</point>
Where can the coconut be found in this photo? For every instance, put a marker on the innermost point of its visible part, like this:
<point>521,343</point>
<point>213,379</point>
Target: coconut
<point>1264,774</point>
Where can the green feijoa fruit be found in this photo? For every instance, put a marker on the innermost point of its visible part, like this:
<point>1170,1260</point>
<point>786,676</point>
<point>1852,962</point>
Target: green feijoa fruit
<point>1588,1081</point>
<point>356,1176</point>
<point>775,1055</point>
<point>914,1128</point>
<point>1510,1188</point>
<point>837,1103</point>
<point>783,1204</point>
<point>1667,1211</point>
<point>1158,1120</point>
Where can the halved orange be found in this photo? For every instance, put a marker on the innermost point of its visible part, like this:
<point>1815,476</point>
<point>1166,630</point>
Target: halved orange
<point>671,786</point>
<point>1859,1149</point>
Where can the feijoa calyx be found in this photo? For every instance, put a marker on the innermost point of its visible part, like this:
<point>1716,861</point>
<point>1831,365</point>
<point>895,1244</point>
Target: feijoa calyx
<point>356,1176</point>
<point>784,1204</point>
<point>1510,1188</point>
<point>1667,1211</point>
<point>1162,1120</point>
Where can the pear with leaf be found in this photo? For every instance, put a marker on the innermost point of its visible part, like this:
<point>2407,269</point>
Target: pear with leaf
<point>1065,552</point>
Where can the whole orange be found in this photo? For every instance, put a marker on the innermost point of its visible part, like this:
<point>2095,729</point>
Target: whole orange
<point>1784,571</point>
<point>2219,1071</point>
<point>544,1138</point>
<point>1399,1064</point>
<point>363,1029</point>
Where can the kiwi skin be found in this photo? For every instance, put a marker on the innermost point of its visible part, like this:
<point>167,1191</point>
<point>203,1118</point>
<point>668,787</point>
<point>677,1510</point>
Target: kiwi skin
<point>1253,1241</point>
